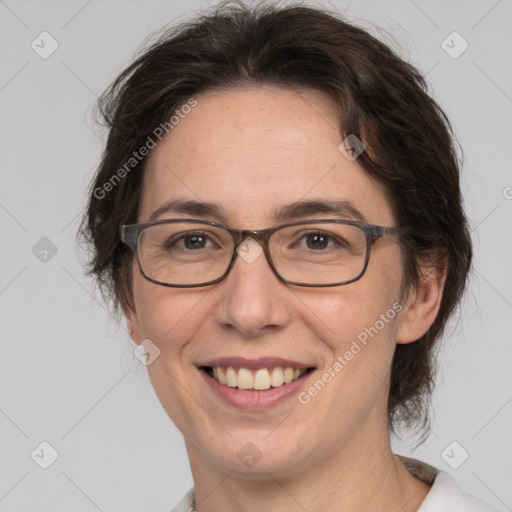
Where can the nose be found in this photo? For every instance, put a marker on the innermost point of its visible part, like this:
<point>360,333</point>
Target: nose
<point>253,300</point>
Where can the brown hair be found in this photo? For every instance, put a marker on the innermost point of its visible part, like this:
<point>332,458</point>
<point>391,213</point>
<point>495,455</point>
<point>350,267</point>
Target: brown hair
<point>383,101</point>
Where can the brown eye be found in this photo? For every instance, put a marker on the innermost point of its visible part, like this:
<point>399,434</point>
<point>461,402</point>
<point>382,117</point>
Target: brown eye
<point>317,241</point>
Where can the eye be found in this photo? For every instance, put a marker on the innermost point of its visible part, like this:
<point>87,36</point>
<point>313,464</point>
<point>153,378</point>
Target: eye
<point>319,240</point>
<point>190,240</point>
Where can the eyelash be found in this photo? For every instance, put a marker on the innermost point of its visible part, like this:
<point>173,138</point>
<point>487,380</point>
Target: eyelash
<point>183,236</point>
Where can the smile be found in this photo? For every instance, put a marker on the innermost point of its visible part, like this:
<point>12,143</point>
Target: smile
<point>260,379</point>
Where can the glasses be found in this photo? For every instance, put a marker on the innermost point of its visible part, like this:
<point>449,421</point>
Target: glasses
<point>186,253</point>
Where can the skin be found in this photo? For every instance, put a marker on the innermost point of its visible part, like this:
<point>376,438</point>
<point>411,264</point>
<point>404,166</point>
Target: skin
<point>251,150</point>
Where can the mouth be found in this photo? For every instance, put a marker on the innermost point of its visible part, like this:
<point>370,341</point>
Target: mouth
<point>255,379</point>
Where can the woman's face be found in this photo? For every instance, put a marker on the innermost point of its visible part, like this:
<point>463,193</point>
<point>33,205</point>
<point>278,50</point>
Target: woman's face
<point>252,151</point>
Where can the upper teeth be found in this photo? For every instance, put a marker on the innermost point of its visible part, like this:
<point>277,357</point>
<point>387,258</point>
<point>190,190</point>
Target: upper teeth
<point>261,379</point>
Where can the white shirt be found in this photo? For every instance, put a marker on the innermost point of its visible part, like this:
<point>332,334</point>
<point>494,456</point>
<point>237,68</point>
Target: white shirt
<point>444,496</point>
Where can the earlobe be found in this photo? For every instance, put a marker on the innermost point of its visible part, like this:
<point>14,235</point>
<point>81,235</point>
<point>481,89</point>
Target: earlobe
<point>132,324</point>
<point>422,304</point>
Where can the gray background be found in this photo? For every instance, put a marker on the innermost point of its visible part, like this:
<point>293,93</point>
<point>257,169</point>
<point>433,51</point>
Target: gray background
<point>67,372</point>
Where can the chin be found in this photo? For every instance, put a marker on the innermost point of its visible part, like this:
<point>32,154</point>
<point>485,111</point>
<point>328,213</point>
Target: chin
<point>257,456</point>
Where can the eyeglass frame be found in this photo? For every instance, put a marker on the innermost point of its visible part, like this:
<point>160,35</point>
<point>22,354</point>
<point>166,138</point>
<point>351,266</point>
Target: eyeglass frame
<point>130,236</point>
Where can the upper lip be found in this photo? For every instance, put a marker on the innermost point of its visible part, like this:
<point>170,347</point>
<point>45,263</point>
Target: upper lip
<point>254,364</point>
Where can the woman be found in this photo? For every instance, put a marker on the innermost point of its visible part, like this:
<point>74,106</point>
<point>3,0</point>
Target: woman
<point>278,216</point>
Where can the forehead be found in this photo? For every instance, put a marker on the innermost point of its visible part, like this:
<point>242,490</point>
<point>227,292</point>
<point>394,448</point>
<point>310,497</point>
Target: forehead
<point>252,150</point>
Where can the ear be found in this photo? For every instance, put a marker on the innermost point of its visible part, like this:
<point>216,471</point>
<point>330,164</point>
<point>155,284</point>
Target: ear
<point>423,303</point>
<point>132,323</point>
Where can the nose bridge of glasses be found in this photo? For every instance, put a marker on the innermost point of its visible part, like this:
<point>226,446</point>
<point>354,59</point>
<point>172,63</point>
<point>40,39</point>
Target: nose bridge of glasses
<point>240,235</point>
<point>257,244</point>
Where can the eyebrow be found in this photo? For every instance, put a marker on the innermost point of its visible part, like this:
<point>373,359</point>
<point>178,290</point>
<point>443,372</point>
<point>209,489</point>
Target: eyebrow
<point>345,209</point>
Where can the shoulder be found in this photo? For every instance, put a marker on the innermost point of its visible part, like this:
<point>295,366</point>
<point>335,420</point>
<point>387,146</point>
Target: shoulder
<point>186,504</point>
<point>445,495</point>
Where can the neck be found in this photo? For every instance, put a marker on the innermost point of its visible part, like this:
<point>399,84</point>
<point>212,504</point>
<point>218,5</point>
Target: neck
<point>363,476</point>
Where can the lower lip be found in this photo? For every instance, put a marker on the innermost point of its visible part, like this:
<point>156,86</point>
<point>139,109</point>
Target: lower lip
<point>251,400</point>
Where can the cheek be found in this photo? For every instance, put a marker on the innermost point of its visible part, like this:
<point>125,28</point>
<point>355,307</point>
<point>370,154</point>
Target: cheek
<point>168,317</point>
<point>343,313</point>
<point>357,367</point>
<point>361,332</point>
<point>357,324</point>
